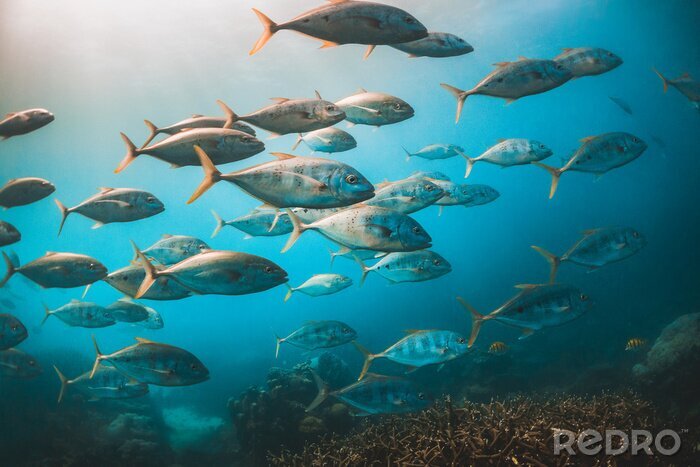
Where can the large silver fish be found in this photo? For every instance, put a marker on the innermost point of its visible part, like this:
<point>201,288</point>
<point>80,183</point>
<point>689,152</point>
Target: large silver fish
<point>9,234</point>
<point>12,331</point>
<point>23,122</point>
<point>597,248</point>
<point>534,308</point>
<point>217,272</point>
<point>154,363</point>
<point>81,314</point>
<point>60,270</point>
<point>107,383</point>
<point>257,223</point>
<point>588,61</point>
<point>510,152</point>
<point>320,284</point>
<point>599,154</point>
<point>128,311</point>
<point>406,196</point>
<point>318,335</point>
<point>114,205</point>
<point>292,181</point>
<point>195,121</point>
<point>435,44</point>
<point>410,266</point>
<point>375,108</point>
<point>328,140</point>
<point>22,191</point>
<point>513,80</point>
<point>685,84</point>
<point>128,279</point>
<point>17,364</point>
<point>367,228</point>
<point>348,22</point>
<point>171,249</point>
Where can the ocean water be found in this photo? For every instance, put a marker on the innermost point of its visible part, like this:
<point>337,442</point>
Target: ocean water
<point>103,67</point>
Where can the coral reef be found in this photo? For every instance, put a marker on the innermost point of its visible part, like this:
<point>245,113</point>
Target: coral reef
<point>191,431</point>
<point>516,431</point>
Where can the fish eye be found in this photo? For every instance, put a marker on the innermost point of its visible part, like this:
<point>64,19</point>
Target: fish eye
<point>193,366</point>
<point>351,179</point>
<point>421,396</point>
<point>416,229</point>
<point>397,106</point>
<point>635,139</point>
<point>13,327</point>
<point>541,146</point>
<point>409,20</point>
<point>91,266</point>
<point>500,80</point>
<point>268,269</point>
<point>560,66</point>
<point>460,340</point>
<point>584,297</point>
<point>429,187</point>
<point>31,362</point>
<point>437,262</point>
<point>246,139</point>
<point>330,107</point>
<point>610,54</point>
<point>150,199</point>
<point>635,234</point>
<point>345,331</point>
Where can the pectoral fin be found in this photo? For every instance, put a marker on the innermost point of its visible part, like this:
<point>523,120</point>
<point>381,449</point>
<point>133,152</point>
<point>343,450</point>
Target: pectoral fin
<point>380,230</point>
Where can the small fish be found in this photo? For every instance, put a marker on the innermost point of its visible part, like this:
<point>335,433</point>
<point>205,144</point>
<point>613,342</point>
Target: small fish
<point>59,270</point>
<point>171,249</point>
<point>598,155</point>
<point>328,140</point>
<point>320,284</point>
<point>513,80</point>
<point>318,335</point>
<point>348,22</point>
<point>534,308</point>
<point>128,311</point>
<point>685,84</point>
<point>195,121</point>
<point>153,363</point>
<point>375,394</point>
<point>366,228</point>
<point>635,343</point>
<point>412,266</point>
<point>128,279</point>
<point>23,122</point>
<point>259,222</point>
<point>292,115</point>
<point>621,103</point>
<point>363,255</point>
<point>23,191</point>
<point>17,364</point>
<point>375,108</point>
<point>107,383</point>
<point>498,348</point>
<point>467,195</point>
<point>81,314</point>
<point>406,196</point>
<point>435,152</point>
<point>597,248</point>
<point>12,331</point>
<point>8,234</point>
<point>435,44</point>
<point>154,320</point>
<point>217,272</point>
<point>114,205</point>
<point>588,61</point>
<point>292,181</point>
<point>510,152</point>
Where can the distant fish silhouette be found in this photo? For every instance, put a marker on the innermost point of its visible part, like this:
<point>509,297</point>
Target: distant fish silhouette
<point>621,103</point>
<point>635,343</point>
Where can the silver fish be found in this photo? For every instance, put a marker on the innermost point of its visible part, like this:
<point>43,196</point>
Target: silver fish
<point>154,363</point>
<point>114,205</point>
<point>195,121</point>
<point>17,364</point>
<point>534,308</point>
<point>348,22</point>
<point>431,176</point>
<point>685,84</point>
<point>128,279</point>
<point>406,196</point>
<point>375,108</point>
<point>320,284</point>
<point>328,140</point>
<point>128,311</point>
<point>318,335</point>
<point>411,266</point>
<point>363,255</point>
<point>154,320</point>
<point>292,181</point>
<point>588,61</point>
<point>217,272</point>
<point>597,248</point>
<point>513,80</point>
<point>257,223</point>
<point>599,154</point>
<point>510,152</point>
<point>23,122</point>
<point>12,331</point>
<point>367,228</point>
<point>435,44</point>
<point>467,195</point>
<point>8,234</point>
<point>107,383</point>
<point>436,151</point>
<point>81,314</point>
<point>22,191</point>
<point>171,249</point>
<point>59,270</point>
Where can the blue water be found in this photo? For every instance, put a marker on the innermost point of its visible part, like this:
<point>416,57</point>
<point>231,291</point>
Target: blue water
<point>103,67</point>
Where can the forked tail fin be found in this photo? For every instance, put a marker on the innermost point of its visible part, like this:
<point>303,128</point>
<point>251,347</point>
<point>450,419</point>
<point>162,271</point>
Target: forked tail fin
<point>150,270</point>
<point>219,224</point>
<point>408,154</point>
<point>556,175</point>
<point>459,94</point>
<point>553,260</point>
<point>64,384</point>
<point>211,174</point>
<point>477,320</point>
<point>64,215</point>
<point>369,357</point>
<point>98,358</point>
<point>277,348</point>
<point>322,392</point>
<point>299,228</point>
<point>231,116</point>
<point>269,29</point>
<point>131,154</point>
<point>470,163</point>
<point>290,291</point>
<point>11,268</point>
<point>365,269</point>
<point>153,132</point>
<point>300,138</point>
<point>47,313</point>
<point>663,78</point>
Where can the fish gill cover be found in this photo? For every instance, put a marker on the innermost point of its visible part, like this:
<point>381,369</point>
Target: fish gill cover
<point>448,292</point>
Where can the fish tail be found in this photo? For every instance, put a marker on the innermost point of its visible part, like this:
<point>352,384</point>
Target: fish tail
<point>477,320</point>
<point>87,287</point>
<point>663,78</point>
<point>131,154</point>
<point>269,29</point>
<point>365,269</point>
<point>150,270</point>
<point>459,94</point>
<point>553,260</point>
<point>300,138</point>
<point>470,163</point>
<point>333,255</point>
<point>556,175</point>
<point>279,342</point>
<point>322,392</point>
<point>211,174</point>
<point>47,313</point>
<point>11,268</point>
<point>98,358</point>
<point>290,291</point>
<point>219,224</point>
<point>64,383</point>
<point>231,116</point>
<point>64,215</point>
<point>408,154</point>
<point>299,228</point>
<point>369,357</point>
<point>154,132</point>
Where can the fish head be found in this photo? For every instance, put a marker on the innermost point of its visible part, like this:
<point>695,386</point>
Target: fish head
<point>42,187</point>
<point>28,366</point>
<point>406,27</point>
<point>411,234</point>
<point>429,191</point>
<point>128,278</point>
<point>539,150</point>
<point>416,399</point>
<point>244,143</point>
<point>192,369</point>
<point>155,320</point>
<point>13,328</point>
<point>347,140</point>
<point>489,193</point>
<point>580,301</point>
<point>396,110</point>
<point>606,60</point>
<point>558,72</point>
<point>340,280</point>
<point>457,44</point>
<point>195,246</point>
<point>107,315</point>
<point>265,274</point>
<point>348,184</point>
<point>346,332</point>
<point>152,204</point>
<point>634,144</point>
<point>41,116</point>
<point>458,344</point>
<point>89,269</point>
<point>634,239</point>
<point>438,265</point>
<point>328,111</point>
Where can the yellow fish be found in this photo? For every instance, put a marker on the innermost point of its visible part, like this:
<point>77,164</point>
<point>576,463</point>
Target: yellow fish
<point>498,348</point>
<point>635,343</point>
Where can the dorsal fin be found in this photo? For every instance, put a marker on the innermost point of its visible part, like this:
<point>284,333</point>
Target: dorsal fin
<point>337,1</point>
<point>11,114</point>
<point>685,75</point>
<point>75,300</point>
<point>527,286</point>
<point>282,156</point>
<point>521,58</point>
<point>412,331</point>
<point>567,49</point>
<point>167,236</point>
<point>589,231</point>
<point>50,253</point>
<point>500,140</point>
<point>318,96</point>
<point>279,100</point>
<point>197,115</point>
<point>587,139</point>
<point>141,340</point>
<point>501,64</point>
<point>361,91</point>
<point>105,189</point>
